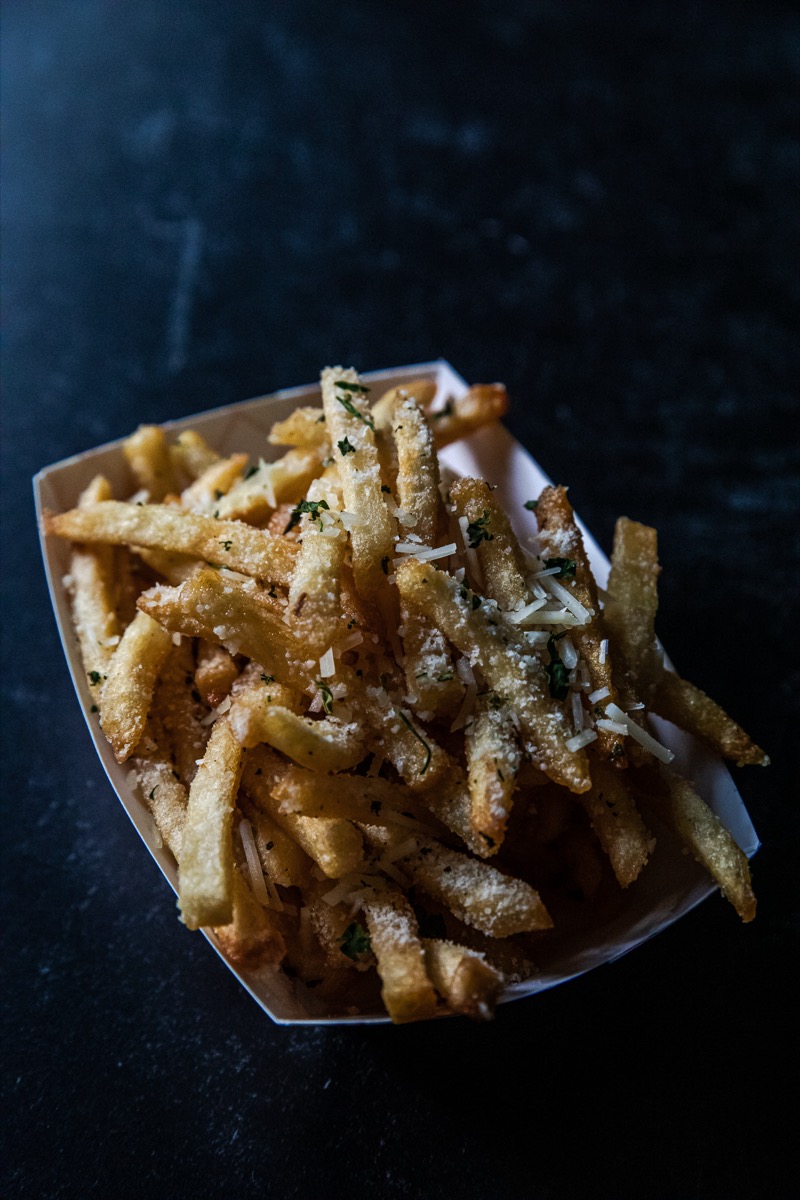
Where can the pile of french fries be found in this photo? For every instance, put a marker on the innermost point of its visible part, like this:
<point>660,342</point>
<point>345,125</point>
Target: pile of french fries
<point>389,744</point>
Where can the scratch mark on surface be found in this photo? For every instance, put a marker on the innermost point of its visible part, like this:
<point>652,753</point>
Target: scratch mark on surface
<point>180,311</point>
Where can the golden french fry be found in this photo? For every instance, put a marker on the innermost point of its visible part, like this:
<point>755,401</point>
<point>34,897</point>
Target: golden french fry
<point>407,991</point>
<point>206,863</point>
<point>421,391</point>
<point>149,460</point>
<point>230,544</point>
<point>234,615</point>
<point>252,938</point>
<point>267,486</point>
<point>631,607</point>
<point>517,678</point>
<point>163,793</point>
<point>191,455</point>
<point>483,404</point>
<point>613,814</point>
<point>128,690</point>
<point>91,582</point>
<point>323,746</point>
<point>180,710</point>
<point>304,427</point>
<point>315,604</point>
<point>463,978</point>
<point>561,542</point>
<point>355,798</point>
<point>489,533</point>
<point>206,493</point>
<point>691,709</point>
<point>704,835</point>
<point>494,757</point>
<point>348,418</point>
<point>216,671</point>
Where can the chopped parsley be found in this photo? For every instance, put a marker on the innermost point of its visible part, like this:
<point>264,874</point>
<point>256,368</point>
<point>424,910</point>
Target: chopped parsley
<point>477,531</point>
<point>557,673</point>
<point>327,696</point>
<point>350,387</point>
<point>306,506</point>
<point>566,567</point>
<point>252,471</point>
<point>226,543</point>
<point>95,677</point>
<point>267,678</point>
<point>348,406</point>
<point>345,447</point>
<point>420,739</point>
<point>531,505</point>
<point>355,941</point>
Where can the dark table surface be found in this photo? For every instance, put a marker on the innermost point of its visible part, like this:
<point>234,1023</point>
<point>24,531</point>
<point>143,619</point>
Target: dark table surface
<point>596,204</point>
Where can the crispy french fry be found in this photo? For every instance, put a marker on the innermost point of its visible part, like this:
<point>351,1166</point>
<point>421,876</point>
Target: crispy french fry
<point>149,460</point>
<point>304,427</point>
<point>517,678</point>
<point>269,485</point>
<point>92,586</point>
<point>494,757</point>
<point>128,690</point>
<point>691,709</point>
<point>180,710</point>
<point>252,938</point>
<point>489,533</point>
<point>704,835</point>
<point>315,591</point>
<point>163,527</point>
<point>234,615</point>
<point>206,493</point>
<point>191,455</point>
<point>631,607</point>
<point>326,745</point>
<point>407,991</point>
<point>421,391</point>
<point>348,419</point>
<point>206,864</point>
<point>215,673</point>
<point>561,542</point>
<point>463,978</point>
<point>355,798</point>
<point>612,811</point>
<point>481,405</point>
<point>164,794</point>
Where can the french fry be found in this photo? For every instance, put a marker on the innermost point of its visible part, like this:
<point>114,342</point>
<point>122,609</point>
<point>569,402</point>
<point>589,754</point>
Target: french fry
<point>631,607</point>
<point>206,863</point>
<point>561,542</point>
<point>489,534</point>
<point>315,591</point>
<point>267,486</point>
<point>612,811</point>
<point>149,460</point>
<point>128,690</point>
<point>407,991</point>
<point>493,757</point>
<point>162,527</point>
<point>206,493</point>
<point>243,620</point>
<point>421,391</point>
<point>692,710</point>
<point>181,711</point>
<point>324,746</point>
<point>483,404</point>
<point>92,586</point>
<point>463,978</point>
<point>165,795</point>
<point>216,671</point>
<point>349,422</point>
<point>475,892</point>
<point>355,798</point>
<point>191,455</point>
<point>516,677</point>
<point>703,834</point>
<point>252,938</point>
<point>304,427</point>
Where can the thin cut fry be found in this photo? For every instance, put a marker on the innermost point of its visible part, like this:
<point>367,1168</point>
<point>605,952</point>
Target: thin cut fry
<point>463,978</point>
<point>92,585</point>
<point>128,690</point>
<point>691,709</point>
<point>149,460</point>
<point>407,991</point>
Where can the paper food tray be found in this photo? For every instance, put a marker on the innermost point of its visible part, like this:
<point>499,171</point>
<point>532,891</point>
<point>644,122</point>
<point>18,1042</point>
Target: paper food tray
<point>671,884</point>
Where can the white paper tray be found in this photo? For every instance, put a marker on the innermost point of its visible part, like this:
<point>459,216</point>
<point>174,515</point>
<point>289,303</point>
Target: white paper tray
<point>671,884</point>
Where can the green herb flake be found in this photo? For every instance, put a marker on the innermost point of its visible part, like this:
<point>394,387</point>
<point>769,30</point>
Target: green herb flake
<point>348,406</point>
<point>94,678</point>
<point>252,471</point>
<point>267,678</point>
<point>420,739</point>
<point>351,387</point>
<point>557,673</point>
<point>327,696</point>
<point>345,447</point>
<point>566,567</point>
<point>355,941</point>
<point>531,505</point>
<point>477,531</point>
<point>306,506</point>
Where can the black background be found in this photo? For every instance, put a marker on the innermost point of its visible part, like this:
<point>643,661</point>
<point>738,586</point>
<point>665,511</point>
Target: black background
<point>596,204</point>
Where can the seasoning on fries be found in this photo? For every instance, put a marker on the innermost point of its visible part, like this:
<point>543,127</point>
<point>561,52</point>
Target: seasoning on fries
<point>392,746</point>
